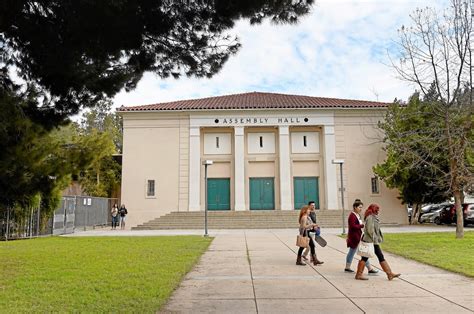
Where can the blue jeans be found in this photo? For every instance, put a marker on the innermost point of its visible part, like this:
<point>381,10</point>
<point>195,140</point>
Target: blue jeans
<point>350,257</point>
<point>114,221</point>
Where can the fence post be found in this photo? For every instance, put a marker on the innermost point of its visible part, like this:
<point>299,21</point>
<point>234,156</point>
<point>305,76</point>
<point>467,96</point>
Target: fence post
<point>75,210</point>
<point>86,214</point>
<point>8,223</point>
<point>30,229</point>
<point>38,221</point>
<point>38,217</point>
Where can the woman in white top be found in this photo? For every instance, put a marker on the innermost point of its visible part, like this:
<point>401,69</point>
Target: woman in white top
<point>306,224</point>
<point>353,236</point>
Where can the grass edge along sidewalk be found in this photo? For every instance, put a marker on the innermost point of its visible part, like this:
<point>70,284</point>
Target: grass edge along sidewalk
<point>95,274</point>
<point>439,249</point>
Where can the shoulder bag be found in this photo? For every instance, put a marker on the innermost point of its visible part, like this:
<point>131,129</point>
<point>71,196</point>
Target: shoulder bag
<point>302,240</point>
<point>365,249</point>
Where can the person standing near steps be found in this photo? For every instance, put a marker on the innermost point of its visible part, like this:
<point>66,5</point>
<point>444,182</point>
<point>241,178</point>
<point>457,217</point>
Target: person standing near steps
<point>114,214</point>
<point>353,236</point>
<point>123,214</point>
<point>373,234</point>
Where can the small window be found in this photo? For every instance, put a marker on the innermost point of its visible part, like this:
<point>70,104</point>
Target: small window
<point>261,141</point>
<point>375,185</point>
<point>305,143</point>
<point>150,188</point>
<point>217,141</point>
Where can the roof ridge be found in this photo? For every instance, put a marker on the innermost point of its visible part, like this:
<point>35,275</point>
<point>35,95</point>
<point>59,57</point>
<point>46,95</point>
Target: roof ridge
<point>250,100</point>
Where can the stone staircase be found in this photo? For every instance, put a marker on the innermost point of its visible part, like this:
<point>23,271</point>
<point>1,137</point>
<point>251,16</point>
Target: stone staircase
<point>263,219</point>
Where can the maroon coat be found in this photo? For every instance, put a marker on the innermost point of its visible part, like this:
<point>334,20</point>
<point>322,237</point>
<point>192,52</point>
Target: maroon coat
<point>355,231</point>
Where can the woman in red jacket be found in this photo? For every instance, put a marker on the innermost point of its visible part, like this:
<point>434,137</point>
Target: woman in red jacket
<point>354,235</point>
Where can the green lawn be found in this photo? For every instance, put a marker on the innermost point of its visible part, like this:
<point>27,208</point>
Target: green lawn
<point>94,274</point>
<point>440,249</point>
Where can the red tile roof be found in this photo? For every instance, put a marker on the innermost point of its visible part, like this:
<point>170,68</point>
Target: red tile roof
<point>257,100</point>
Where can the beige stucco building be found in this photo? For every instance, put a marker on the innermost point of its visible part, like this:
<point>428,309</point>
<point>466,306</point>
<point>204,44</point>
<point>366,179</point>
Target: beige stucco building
<point>269,152</point>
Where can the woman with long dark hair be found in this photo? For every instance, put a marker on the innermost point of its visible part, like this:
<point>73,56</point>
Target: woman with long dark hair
<point>373,234</point>
<point>355,223</point>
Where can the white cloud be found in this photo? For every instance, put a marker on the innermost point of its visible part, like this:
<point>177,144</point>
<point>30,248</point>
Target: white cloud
<point>338,51</point>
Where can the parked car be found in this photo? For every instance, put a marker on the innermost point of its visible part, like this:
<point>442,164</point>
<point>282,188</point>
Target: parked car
<point>448,214</point>
<point>424,209</point>
<point>432,213</point>
<point>469,217</point>
<point>434,216</point>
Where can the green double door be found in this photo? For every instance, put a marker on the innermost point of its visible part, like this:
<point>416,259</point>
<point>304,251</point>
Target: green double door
<point>305,189</point>
<point>218,194</point>
<point>262,193</point>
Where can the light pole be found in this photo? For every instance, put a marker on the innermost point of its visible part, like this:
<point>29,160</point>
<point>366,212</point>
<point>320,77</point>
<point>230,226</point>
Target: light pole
<point>340,162</point>
<point>206,163</point>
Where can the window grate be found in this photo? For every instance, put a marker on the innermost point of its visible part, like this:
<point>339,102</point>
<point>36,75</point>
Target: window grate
<point>375,185</point>
<point>150,188</point>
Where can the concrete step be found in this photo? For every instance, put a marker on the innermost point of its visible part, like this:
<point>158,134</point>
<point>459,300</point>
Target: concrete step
<point>268,219</point>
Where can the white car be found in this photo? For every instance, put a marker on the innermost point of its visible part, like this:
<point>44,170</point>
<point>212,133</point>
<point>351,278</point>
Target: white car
<point>432,217</point>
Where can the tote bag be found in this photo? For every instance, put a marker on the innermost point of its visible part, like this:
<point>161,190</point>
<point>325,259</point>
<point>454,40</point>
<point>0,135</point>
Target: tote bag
<point>366,249</point>
<point>302,240</point>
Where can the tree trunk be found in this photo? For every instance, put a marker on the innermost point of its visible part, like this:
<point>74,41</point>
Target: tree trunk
<point>415,214</point>
<point>455,182</point>
<point>459,215</point>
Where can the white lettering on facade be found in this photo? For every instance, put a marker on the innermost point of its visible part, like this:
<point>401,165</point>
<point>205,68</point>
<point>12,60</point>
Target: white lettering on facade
<point>233,121</point>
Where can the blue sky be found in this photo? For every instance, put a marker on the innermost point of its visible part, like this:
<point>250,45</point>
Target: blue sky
<point>340,50</point>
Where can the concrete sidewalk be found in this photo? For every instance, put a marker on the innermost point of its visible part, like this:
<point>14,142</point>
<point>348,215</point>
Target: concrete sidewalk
<point>107,232</point>
<point>254,271</point>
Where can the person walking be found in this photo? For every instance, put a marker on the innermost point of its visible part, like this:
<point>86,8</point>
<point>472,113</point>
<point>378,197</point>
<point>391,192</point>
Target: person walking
<point>312,233</point>
<point>373,234</point>
<point>305,224</point>
<point>114,213</point>
<point>123,213</point>
<point>354,221</point>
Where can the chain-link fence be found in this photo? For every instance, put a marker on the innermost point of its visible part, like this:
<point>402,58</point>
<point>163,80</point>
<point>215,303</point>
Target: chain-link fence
<point>19,224</point>
<point>82,212</point>
<point>74,213</point>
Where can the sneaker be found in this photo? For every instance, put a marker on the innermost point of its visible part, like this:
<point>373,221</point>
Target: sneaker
<point>348,270</point>
<point>373,271</point>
